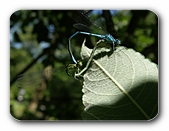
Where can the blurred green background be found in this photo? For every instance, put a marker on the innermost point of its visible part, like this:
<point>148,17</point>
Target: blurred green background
<point>39,40</point>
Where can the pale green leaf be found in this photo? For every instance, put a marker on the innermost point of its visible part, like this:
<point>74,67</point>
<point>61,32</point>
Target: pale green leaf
<point>119,85</point>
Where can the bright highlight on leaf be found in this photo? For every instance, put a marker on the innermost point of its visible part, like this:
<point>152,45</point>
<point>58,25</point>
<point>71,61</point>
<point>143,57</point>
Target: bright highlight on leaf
<point>119,85</point>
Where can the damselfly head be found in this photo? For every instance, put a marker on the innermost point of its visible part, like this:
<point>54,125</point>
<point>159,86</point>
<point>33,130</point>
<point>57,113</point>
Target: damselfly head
<point>117,42</point>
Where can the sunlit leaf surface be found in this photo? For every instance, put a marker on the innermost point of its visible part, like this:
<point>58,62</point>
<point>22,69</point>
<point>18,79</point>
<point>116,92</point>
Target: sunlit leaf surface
<point>120,85</point>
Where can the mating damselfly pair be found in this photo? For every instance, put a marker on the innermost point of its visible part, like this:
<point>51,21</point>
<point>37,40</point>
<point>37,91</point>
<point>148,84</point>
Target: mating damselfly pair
<point>85,25</point>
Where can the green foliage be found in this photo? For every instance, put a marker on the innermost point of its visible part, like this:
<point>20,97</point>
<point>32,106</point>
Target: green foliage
<point>120,85</point>
<point>39,39</point>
